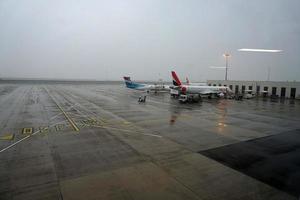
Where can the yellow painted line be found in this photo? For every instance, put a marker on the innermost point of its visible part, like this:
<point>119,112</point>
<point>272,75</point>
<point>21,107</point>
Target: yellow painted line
<point>185,116</point>
<point>7,137</point>
<point>74,126</point>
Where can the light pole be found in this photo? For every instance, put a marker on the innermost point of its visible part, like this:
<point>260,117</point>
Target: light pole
<point>226,55</point>
<point>269,71</point>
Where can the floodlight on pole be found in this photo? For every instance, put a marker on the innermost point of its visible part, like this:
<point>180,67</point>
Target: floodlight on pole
<point>214,67</point>
<point>261,50</point>
<point>226,55</point>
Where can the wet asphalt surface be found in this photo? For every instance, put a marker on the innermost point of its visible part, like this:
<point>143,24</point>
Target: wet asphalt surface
<point>95,141</point>
<point>273,159</point>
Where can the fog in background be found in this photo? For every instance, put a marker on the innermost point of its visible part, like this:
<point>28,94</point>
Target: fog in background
<point>104,40</point>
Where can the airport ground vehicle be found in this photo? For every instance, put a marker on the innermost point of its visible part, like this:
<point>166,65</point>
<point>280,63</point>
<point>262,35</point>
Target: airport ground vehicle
<point>174,93</point>
<point>238,96</point>
<point>249,94</point>
<point>190,98</point>
<point>142,99</point>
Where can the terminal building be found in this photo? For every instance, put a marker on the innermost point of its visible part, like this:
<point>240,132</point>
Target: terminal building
<point>282,89</point>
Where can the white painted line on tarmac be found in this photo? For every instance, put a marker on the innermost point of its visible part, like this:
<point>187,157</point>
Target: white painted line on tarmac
<point>62,113</point>
<point>55,116</point>
<point>105,127</point>
<point>123,130</point>
<point>15,143</point>
<point>28,136</point>
<point>72,123</point>
<point>153,135</point>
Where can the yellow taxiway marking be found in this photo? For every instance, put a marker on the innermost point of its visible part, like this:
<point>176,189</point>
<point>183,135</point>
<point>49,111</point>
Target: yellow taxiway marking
<point>68,118</point>
<point>44,129</point>
<point>27,131</point>
<point>28,136</point>
<point>7,137</point>
<point>73,124</point>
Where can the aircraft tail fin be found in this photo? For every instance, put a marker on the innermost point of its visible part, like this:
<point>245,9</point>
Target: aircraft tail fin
<point>128,82</point>
<point>127,78</point>
<point>131,84</point>
<point>176,80</point>
<point>187,81</point>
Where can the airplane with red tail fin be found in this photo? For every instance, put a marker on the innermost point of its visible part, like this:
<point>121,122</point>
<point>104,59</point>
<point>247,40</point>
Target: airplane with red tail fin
<point>198,89</point>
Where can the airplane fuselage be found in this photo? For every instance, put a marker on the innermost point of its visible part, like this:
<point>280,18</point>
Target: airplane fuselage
<point>151,87</point>
<point>190,89</point>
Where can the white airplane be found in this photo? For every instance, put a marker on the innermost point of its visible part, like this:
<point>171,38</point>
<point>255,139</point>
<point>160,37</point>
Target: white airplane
<point>145,87</point>
<point>198,89</point>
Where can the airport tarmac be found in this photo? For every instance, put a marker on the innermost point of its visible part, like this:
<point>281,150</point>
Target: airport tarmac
<point>95,141</point>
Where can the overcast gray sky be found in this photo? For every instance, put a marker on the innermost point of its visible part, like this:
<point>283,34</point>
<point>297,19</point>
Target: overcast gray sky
<point>146,39</point>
